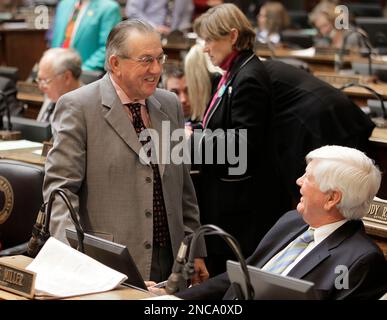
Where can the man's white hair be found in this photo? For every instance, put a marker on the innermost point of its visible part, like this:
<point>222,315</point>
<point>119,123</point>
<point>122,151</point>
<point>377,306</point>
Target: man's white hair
<point>347,170</point>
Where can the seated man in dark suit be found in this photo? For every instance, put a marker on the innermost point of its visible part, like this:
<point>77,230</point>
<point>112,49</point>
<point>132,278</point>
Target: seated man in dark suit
<point>336,190</point>
<point>310,113</point>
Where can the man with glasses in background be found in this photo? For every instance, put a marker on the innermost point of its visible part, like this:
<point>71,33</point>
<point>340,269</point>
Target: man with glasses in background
<point>59,72</point>
<point>98,157</point>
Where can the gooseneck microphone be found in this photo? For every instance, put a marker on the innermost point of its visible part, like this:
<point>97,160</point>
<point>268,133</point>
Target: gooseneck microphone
<point>38,237</point>
<point>381,123</point>
<point>41,232</point>
<point>174,279</point>
<point>365,40</point>
<point>184,270</point>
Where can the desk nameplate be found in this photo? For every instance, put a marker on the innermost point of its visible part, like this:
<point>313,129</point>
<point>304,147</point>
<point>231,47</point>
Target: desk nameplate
<point>377,212</point>
<point>375,221</point>
<point>17,280</point>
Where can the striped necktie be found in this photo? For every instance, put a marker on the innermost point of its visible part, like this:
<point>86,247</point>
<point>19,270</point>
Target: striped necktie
<point>71,24</point>
<point>289,255</point>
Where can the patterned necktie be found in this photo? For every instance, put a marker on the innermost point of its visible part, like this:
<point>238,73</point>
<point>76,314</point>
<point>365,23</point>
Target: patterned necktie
<point>48,112</point>
<point>160,223</point>
<point>71,25</point>
<point>287,257</point>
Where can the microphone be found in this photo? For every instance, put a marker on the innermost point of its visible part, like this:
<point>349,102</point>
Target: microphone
<point>4,98</point>
<point>174,279</point>
<point>40,231</point>
<point>339,58</point>
<point>381,121</point>
<point>181,270</point>
<point>38,237</point>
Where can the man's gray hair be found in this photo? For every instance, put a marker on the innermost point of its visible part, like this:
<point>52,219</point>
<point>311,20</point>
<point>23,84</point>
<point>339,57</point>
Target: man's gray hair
<point>347,170</point>
<point>116,42</point>
<point>63,59</point>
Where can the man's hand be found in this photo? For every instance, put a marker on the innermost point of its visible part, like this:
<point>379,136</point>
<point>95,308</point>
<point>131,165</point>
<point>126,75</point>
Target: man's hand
<point>151,285</point>
<point>201,273</point>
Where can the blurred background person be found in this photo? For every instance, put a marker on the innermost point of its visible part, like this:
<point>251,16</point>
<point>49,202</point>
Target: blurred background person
<point>174,80</point>
<point>201,77</point>
<point>272,19</point>
<point>85,26</point>
<point>323,18</point>
<point>164,15</point>
<point>59,72</point>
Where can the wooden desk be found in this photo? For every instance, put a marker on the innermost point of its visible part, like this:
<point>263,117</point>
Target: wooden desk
<point>317,62</point>
<point>176,51</point>
<point>120,293</point>
<point>323,62</point>
<point>21,47</point>
<point>32,98</point>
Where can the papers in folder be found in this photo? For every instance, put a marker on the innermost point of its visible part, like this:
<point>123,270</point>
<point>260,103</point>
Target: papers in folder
<point>62,271</point>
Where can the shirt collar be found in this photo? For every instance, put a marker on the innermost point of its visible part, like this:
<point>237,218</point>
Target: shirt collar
<point>122,95</point>
<point>321,233</point>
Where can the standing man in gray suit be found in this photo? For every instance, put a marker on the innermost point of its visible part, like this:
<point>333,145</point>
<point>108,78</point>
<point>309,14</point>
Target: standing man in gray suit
<point>97,157</point>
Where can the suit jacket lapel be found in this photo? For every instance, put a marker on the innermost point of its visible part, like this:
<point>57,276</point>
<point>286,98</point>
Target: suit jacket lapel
<point>322,250</point>
<point>157,116</point>
<point>280,245</point>
<point>116,116</point>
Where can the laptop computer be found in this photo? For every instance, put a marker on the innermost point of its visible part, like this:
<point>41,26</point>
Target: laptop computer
<point>111,254</point>
<point>270,286</point>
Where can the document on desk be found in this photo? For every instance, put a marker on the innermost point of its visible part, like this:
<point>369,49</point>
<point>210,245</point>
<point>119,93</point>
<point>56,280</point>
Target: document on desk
<point>309,52</point>
<point>18,144</point>
<point>62,271</point>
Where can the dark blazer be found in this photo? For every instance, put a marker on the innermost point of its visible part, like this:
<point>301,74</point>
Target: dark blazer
<point>245,205</point>
<point>310,113</point>
<point>348,246</point>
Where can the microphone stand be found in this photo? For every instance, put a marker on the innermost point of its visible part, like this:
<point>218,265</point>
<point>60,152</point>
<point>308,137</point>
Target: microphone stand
<point>40,231</point>
<point>187,270</point>
<point>8,134</point>
<point>364,37</point>
<point>380,121</point>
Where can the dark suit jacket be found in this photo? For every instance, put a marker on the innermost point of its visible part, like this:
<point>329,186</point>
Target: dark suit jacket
<point>348,246</point>
<point>234,202</point>
<point>310,113</point>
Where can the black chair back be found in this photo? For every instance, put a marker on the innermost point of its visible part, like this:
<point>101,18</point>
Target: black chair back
<point>20,199</point>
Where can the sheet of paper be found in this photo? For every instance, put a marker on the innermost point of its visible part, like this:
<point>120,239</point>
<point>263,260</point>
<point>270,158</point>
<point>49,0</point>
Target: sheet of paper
<point>62,271</point>
<point>18,144</point>
<point>37,152</point>
<point>163,297</point>
<point>310,52</point>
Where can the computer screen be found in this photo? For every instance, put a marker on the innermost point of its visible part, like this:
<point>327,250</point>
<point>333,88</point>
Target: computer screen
<point>376,29</point>
<point>270,286</point>
<point>111,254</point>
<point>30,129</point>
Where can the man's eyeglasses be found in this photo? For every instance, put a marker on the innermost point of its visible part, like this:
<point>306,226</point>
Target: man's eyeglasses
<point>46,82</point>
<point>148,60</point>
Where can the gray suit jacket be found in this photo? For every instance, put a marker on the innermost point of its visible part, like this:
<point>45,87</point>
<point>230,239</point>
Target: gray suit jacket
<point>95,159</point>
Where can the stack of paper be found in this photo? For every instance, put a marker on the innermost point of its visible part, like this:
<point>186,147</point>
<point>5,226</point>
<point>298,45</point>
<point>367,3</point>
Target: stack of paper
<point>62,271</point>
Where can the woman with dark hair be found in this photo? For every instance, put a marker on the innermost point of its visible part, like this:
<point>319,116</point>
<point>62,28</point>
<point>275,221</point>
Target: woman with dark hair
<point>243,197</point>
